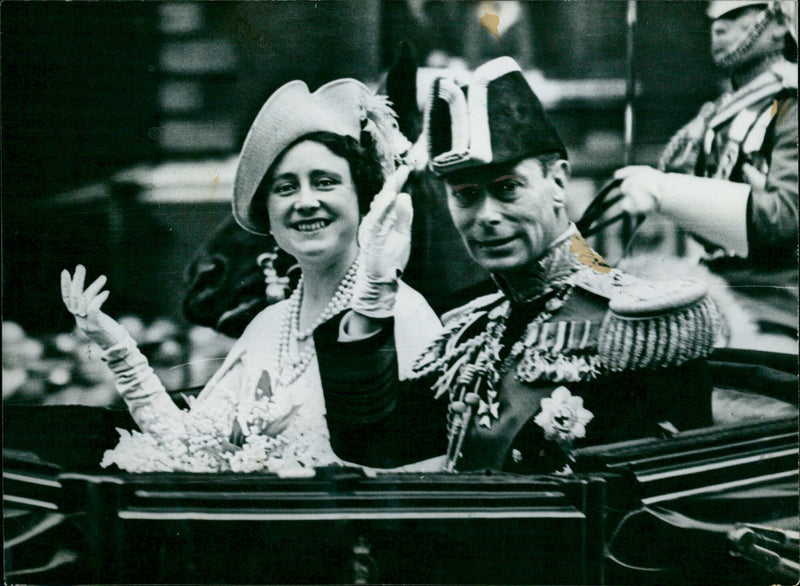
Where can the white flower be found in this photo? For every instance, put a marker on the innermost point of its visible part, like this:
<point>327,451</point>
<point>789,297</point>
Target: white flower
<point>198,442</point>
<point>563,417</point>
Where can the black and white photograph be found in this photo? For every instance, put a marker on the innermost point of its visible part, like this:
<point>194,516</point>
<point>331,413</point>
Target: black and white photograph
<point>400,292</point>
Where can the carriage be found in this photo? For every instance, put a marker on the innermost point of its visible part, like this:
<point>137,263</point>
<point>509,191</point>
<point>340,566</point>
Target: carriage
<point>708,505</point>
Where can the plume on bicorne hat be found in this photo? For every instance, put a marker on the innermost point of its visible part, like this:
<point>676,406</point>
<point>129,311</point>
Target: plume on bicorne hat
<point>345,107</point>
<point>497,119</point>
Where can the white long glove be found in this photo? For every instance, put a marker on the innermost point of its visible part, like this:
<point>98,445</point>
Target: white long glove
<point>135,380</point>
<point>385,241</point>
<point>712,208</point>
<point>85,306</point>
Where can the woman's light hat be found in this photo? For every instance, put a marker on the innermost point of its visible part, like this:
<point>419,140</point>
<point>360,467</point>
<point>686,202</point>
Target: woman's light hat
<point>344,107</point>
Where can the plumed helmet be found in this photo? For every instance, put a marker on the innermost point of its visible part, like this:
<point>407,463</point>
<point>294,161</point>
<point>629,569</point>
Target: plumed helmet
<point>753,44</point>
<point>787,9</point>
<point>718,8</point>
<point>345,107</point>
<point>496,119</point>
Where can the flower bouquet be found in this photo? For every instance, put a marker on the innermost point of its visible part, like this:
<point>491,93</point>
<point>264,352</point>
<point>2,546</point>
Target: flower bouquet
<point>262,439</point>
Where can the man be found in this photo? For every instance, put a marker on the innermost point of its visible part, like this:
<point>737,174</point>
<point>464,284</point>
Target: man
<point>569,352</point>
<point>730,175</point>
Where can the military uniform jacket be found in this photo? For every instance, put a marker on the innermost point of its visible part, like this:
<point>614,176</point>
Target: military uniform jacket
<point>755,125</point>
<point>594,356</point>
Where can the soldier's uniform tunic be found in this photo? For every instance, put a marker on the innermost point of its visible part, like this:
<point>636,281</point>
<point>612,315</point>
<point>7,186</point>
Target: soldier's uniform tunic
<point>756,125</point>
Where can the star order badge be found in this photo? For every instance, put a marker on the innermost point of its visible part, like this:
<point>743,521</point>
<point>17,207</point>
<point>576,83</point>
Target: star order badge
<point>563,417</point>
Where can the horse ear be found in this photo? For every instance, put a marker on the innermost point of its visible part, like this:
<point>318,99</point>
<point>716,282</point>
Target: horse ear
<point>401,89</point>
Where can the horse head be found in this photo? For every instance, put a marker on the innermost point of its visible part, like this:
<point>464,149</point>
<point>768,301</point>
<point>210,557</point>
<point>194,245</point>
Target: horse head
<point>225,281</point>
<point>439,267</point>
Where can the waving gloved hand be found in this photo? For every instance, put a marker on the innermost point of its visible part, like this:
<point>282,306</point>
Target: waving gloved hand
<point>385,241</point>
<point>85,306</point>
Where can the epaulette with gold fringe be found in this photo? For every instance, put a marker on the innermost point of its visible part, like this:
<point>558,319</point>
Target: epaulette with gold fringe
<point>657,324</point>
<point>647,325</point>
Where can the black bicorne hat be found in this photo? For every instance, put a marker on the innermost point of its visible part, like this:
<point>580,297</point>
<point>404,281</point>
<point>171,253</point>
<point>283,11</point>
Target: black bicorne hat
<point>496,119</point>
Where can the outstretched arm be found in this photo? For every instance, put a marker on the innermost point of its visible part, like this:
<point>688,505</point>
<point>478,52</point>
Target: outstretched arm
<point>757,218</point>
<point>144,394</point>
<point>714,209</point>
<point>374,419</point>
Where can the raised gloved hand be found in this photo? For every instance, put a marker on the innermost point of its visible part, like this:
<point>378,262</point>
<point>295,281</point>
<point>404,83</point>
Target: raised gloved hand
<point>136,382</point>
<point>85,306</point>
<point>385,240</point>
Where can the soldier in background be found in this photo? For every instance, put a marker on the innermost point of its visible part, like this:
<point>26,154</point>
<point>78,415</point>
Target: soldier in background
<point>729,176</point>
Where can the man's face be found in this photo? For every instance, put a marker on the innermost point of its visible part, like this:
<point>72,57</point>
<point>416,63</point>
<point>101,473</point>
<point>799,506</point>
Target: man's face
<point>730,29</point>
<point>508,215</point>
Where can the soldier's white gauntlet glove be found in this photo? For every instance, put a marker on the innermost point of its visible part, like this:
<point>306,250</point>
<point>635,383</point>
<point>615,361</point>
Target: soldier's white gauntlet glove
<point>385,240</point>
<point>712,208</point>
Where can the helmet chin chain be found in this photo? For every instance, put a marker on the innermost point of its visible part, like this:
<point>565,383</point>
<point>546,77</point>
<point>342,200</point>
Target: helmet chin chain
<point>739,54</point>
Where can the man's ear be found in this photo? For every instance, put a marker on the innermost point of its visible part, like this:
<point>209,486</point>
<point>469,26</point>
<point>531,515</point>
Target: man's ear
<point>560,172</point>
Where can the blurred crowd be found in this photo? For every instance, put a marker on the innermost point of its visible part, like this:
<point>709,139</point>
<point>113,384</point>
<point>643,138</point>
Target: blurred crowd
<point>66,368</point>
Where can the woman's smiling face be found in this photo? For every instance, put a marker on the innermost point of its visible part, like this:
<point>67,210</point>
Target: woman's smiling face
<point>312,203</point>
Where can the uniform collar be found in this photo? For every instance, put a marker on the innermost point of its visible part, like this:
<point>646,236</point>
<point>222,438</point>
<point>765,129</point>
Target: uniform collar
<point>549,273</point>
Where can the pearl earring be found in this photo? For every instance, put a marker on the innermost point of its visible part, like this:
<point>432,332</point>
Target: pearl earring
<point>277,286</point>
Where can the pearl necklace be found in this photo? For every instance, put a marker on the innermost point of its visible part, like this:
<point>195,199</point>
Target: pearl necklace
<point>340,300</point>
<point>289,368</point>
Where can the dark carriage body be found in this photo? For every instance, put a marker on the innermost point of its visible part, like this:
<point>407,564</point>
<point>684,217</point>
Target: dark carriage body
<point>714,505</point>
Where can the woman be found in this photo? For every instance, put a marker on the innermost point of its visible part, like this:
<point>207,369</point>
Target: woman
<point>309,167</point>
